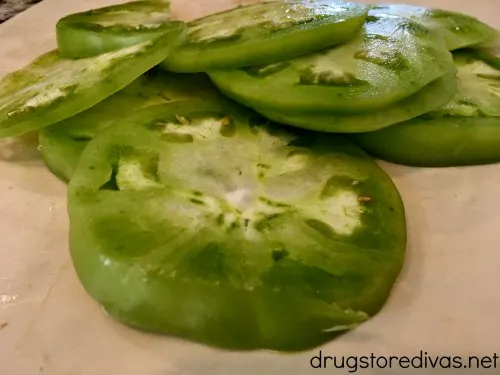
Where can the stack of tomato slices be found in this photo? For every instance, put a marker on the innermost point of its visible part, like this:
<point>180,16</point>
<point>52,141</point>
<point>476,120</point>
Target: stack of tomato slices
<point>220,183</point>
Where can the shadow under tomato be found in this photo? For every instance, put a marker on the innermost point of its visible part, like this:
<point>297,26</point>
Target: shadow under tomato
<point>22,149</point>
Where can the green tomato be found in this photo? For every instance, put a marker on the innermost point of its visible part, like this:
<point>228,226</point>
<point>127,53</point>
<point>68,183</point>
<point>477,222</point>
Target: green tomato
<point>265,33</point>
<point>107,29</point>
<point>52,88</point>
<point>432,96</point>
<point>62,143</point>
<point>193,219</point>
<point>465,131</point>
<point>458,30</point>
<point>390,59</point>
<point>444,142</point>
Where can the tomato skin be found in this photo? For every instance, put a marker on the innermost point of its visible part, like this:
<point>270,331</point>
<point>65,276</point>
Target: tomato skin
<point>262,45</point>
<point>81,35</point>
<point>290,286</point>
<point>52,88</point>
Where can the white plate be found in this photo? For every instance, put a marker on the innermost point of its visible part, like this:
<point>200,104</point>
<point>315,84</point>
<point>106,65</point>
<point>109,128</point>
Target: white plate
<point>446,301</point>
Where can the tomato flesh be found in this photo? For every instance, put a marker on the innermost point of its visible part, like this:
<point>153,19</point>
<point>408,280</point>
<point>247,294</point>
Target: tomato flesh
<point>191,219</point>
<point>110,28</point>
<point>52,88</point>
<point>464,131</point>
<point>265,33</point>
<point>390,59</point>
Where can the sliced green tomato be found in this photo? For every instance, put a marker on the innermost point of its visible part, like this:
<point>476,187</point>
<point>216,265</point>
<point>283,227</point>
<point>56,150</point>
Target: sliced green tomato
<point>432,96</point>
<point>63,143</point>
<point>107,29</point>
<point>459,30</point>
<point>193,220</point>
<point>52,88</point>
<point>465,131</point>
<point>265,33</point>
<point>439,142</point>
<point>479,87</point>
<point>391,59</point>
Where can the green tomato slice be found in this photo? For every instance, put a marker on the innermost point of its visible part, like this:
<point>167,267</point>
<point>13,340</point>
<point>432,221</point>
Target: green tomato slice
<point>265,33</point>
<point>114,27</point>
<point>441,142</point>
<point>390,59</point>
<point>465,131</point>
<point>52,88</point>
<point>194,220</point>
<point>61,144</point>
<point>459,30</point>
<point>432,96</point>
